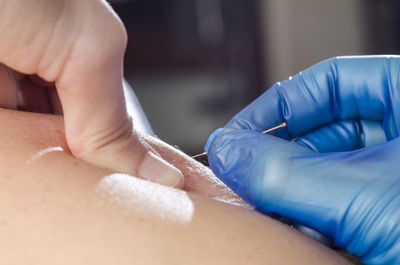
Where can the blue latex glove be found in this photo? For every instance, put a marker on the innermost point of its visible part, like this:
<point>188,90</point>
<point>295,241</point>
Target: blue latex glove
<point>342,175</point>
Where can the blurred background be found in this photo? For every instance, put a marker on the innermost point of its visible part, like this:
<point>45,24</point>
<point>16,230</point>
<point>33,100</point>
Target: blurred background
<point>193,64</point>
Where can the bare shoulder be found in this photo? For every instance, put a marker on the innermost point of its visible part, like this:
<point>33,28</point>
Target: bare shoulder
<point>59,210</point>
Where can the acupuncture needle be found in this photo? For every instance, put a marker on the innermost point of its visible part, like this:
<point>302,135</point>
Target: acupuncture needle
<point>203,156</point>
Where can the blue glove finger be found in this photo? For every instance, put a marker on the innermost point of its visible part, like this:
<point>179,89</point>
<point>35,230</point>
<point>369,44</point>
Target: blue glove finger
<point>339,88</point>
<point>234,152</point>
<point>277,176</point>
<point>343,136</point>
<point>336,137</point>
<point>349,196</point>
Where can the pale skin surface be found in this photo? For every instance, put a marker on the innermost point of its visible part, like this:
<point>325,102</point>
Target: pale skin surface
<point>51,213</point>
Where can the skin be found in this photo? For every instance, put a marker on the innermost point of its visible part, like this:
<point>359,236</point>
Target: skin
<point>77,48</point>
<point>53,212</point>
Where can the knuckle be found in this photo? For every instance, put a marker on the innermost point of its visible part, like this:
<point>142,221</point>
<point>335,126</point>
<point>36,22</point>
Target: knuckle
<point>114,138</point>
<point>118,148</point>
<point>111,136</point>
<point>116,32</point>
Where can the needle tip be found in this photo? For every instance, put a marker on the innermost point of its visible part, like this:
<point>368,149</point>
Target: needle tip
<point>202,154</point>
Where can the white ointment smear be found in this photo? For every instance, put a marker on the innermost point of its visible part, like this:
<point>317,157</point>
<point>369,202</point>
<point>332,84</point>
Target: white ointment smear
<point>43,152</point>
<point>147,198</point>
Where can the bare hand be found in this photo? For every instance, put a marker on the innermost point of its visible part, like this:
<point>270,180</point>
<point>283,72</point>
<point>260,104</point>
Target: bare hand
<point>77,47</point>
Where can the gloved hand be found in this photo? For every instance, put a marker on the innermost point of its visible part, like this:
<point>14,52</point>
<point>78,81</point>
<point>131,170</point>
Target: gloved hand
<point>78,45</point>
<point>341,176</point>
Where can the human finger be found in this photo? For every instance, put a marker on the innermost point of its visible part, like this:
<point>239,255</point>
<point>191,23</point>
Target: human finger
<point>343,136</point>
<point>79,45</point>
<point>340,88</point>
<point>351,197</point>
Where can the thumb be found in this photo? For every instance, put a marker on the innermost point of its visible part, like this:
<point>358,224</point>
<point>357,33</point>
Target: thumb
<point>80,45</point>
<point>244,158</point>
<point>280,177</point>
<point>90,87</point>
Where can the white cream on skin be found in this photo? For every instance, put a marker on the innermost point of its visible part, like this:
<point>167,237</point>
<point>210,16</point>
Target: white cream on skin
<point>146,198</point>
<point>42,152</point>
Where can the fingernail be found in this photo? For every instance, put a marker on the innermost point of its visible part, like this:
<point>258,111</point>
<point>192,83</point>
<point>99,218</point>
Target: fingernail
<point>155,169</point>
